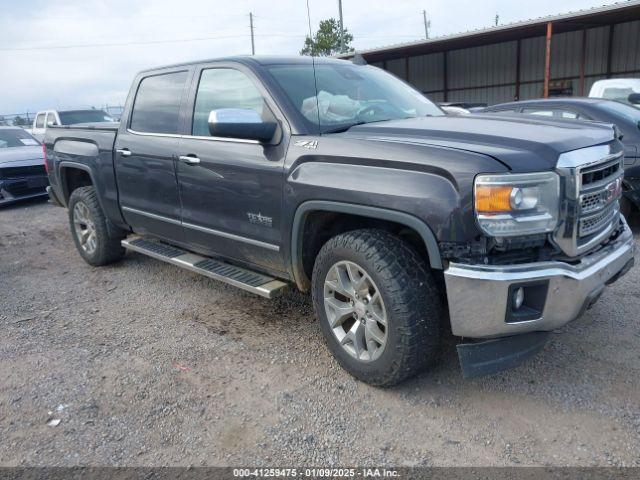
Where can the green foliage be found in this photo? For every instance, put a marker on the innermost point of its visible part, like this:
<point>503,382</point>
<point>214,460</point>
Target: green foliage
<point>19,121</point>
<point>326,42</point>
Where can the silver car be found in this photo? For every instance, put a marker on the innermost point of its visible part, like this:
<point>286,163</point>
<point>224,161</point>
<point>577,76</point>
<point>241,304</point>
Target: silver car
<point>22,170</point>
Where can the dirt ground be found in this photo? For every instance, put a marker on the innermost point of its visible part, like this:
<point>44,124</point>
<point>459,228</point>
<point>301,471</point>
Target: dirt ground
<point>142,363</point>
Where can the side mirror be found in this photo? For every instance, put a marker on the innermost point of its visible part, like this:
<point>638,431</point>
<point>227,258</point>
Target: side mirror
<point>51,123</point>
<point>634,99</point>
<point>241,123</point>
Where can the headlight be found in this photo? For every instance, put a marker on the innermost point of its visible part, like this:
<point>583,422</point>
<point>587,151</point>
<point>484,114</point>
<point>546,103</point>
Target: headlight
<point>517,204</point>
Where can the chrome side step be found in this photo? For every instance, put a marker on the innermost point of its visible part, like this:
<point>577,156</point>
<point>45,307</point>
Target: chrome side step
<point>253,282</point>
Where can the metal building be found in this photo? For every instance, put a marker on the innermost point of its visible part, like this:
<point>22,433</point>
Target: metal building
<point>556,55</point>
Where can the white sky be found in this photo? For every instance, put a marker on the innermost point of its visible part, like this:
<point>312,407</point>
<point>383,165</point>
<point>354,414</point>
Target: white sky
<point>136,34</point>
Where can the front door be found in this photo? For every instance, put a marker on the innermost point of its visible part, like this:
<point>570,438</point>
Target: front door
<point>231,189</point>
<point>146,154</point>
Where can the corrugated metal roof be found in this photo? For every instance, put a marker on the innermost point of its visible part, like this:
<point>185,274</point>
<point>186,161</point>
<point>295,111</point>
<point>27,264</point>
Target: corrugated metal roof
<point>502,28</point>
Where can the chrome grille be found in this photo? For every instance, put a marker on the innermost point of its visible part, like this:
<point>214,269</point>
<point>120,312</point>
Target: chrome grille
<point>592,202</point>
<point>592,180</point>
<point>598,173</point>
<point>594,223</point>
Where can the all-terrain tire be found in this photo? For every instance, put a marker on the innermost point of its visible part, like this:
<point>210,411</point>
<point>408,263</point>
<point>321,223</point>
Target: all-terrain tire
<point>411,300</point>
<point>107,240</point>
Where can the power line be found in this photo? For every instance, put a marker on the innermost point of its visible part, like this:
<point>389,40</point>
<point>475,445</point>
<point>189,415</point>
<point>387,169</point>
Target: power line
<point>114,17</point>
<point>149,42</point>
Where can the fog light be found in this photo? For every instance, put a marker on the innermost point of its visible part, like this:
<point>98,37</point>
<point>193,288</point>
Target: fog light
<point>518,298</point>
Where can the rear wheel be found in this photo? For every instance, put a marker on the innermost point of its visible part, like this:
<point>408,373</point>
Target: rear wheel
<point>93,239</point>
<point>378,306</point>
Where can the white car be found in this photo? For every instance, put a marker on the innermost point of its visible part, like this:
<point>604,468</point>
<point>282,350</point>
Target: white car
<point>46,118</point>
<point>625,90</point>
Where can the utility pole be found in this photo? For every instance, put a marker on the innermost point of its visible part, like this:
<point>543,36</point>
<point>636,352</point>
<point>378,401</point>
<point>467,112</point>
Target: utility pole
<point>497,19</point>
<point>253,45</point>
<point>342,48</point>
<point>427,24</point>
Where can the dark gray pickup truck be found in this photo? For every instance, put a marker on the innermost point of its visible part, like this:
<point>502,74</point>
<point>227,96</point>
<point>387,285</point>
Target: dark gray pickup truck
<point>344,181</point>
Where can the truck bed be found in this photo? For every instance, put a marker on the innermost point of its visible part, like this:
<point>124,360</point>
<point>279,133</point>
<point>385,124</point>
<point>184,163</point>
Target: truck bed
<point>108,126</point>
<point>88,147</point>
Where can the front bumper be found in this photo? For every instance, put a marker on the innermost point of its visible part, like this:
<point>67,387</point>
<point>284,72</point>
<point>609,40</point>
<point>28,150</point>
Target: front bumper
<point>16,189</point>
<point>479,296</point>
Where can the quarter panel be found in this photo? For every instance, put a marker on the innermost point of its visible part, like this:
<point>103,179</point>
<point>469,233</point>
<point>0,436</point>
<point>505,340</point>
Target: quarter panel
<point>93,150</point>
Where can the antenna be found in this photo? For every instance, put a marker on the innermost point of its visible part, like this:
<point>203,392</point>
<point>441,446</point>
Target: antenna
<point>313,64</point>
<point>309,20</point>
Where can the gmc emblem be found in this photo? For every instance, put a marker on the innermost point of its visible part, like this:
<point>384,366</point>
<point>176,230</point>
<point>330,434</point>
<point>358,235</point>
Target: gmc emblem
<point>611,191</point>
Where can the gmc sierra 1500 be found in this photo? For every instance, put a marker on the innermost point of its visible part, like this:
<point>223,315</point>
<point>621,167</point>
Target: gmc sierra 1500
<point>345,181</point>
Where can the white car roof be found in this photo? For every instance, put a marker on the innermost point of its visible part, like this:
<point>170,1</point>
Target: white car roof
<point>618,82</point>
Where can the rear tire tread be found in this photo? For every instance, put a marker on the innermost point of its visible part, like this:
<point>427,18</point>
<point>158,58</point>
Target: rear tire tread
<point>109,249</point>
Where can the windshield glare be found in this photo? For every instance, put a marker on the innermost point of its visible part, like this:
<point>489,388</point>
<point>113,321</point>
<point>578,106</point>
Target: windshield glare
<point>72,117</point>
<point>350,95</point>
<point>16,137</point>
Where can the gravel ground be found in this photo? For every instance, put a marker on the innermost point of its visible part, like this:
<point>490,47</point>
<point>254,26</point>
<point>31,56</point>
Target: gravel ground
<point>145,364</point>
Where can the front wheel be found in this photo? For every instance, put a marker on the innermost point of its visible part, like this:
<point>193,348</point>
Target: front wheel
<point>378,306</point>
<point>96,244</point>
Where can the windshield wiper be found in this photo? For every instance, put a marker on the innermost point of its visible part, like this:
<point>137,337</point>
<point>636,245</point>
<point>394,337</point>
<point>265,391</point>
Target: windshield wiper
<point>343,128</point>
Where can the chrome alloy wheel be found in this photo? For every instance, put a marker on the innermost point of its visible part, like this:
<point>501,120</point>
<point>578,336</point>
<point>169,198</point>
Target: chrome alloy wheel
<point>355,311</point>
<point>85,228</point>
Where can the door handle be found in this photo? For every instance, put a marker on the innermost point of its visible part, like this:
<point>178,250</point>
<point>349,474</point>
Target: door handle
<point>189,159</point>
<point>125,152</point>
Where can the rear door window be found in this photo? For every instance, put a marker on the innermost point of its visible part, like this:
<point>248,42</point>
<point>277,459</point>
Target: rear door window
<point>156,108</point>
<point>40,120</point>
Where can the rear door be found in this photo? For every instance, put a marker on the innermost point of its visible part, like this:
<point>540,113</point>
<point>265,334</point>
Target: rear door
<point>232,197</point>
<point>146,148</point>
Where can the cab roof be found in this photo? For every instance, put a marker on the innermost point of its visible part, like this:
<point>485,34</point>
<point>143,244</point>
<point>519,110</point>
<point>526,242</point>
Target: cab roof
<point>261,60</point>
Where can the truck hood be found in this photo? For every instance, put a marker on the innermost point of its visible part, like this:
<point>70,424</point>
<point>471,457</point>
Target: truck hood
<point>20,156</point>
<point>521,143</point>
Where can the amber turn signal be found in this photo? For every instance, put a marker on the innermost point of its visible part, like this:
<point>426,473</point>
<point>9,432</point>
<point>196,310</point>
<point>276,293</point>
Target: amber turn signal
<point>493,199</point>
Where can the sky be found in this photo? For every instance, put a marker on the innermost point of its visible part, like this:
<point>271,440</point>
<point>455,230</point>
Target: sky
<point>76,54</point>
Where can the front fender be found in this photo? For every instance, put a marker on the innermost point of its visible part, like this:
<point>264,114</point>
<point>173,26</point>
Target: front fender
<point>410,221</point>
<point>422,201</point>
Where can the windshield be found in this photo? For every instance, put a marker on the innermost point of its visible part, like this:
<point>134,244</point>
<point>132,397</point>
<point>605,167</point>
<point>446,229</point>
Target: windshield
<point>349,95</point>
<point>72,117</point>
<point>620,94</point>
<point>626,111</point>
<point>16,137</point>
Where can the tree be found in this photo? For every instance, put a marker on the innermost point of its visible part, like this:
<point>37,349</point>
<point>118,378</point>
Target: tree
<point>19,121</point>
<point>327,41</point>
